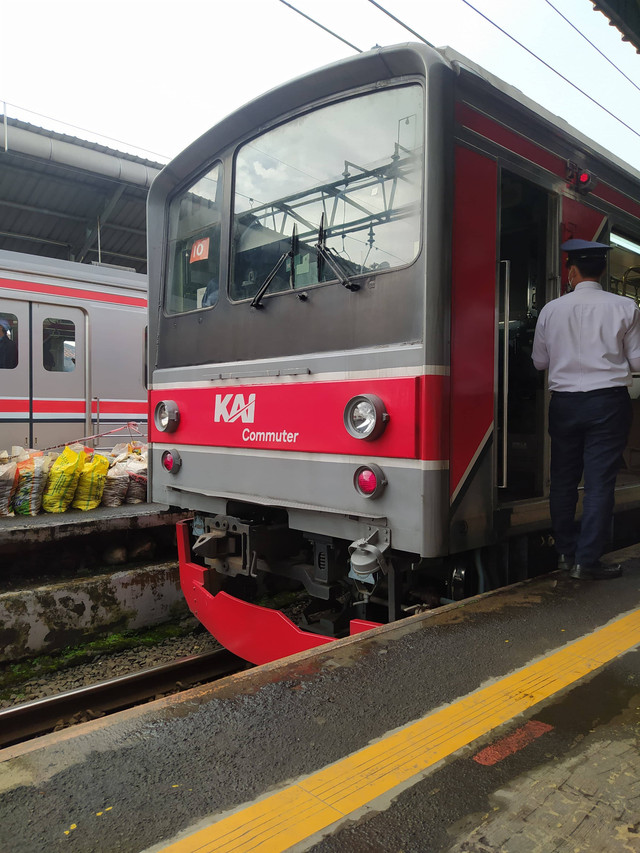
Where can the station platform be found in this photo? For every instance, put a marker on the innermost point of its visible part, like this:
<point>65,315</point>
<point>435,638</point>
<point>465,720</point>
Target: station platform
<point>508,722</point>
<point>69,578</point>
<point>21,531</point>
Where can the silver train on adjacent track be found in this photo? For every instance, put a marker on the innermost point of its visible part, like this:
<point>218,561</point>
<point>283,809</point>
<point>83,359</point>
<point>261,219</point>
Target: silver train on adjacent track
<point>78,347</point>
<point>344,282</point>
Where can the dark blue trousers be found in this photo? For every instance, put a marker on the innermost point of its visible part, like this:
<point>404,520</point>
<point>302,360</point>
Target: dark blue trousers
<point>589,431</point>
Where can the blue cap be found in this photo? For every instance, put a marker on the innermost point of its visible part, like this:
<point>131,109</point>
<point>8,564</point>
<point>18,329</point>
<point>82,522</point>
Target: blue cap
<point>6,325</point>
<point>585,249</point>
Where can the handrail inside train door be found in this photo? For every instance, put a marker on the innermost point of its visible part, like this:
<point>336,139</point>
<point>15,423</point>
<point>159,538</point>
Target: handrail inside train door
<point>505,373</point>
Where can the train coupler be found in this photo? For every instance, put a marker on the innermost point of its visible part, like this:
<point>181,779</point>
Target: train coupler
<point>367,556</point>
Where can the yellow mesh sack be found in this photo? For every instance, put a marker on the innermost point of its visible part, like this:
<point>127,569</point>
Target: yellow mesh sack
<point>91,483</point>
<point>63,480</point>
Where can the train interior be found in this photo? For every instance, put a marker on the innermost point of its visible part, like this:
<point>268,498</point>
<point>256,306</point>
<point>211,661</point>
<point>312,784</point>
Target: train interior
<point>522,451</point>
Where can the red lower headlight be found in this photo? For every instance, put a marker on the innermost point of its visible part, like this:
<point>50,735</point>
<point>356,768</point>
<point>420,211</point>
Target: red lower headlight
<point>369,481</point>
<point>171,461</point>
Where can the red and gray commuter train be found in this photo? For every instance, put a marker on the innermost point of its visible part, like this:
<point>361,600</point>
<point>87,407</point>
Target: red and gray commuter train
<point>345,277</point>
<point>78,344</point>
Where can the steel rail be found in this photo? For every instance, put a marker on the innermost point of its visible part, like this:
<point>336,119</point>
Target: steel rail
<point>30,719</point>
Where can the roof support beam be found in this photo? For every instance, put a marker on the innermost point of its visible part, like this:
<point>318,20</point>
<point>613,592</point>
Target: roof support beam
<point>57,214</point>
<point>102,218</point>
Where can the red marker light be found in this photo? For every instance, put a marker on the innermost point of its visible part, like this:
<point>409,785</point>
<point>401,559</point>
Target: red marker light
<point>171,461</point>
<point>367,481</point>
<point>584,177</point>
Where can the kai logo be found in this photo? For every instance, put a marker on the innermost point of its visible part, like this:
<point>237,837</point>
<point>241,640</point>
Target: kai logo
<point>234,407</point>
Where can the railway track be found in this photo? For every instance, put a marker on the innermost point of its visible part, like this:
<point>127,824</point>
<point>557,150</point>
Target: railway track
<point>31,719</point>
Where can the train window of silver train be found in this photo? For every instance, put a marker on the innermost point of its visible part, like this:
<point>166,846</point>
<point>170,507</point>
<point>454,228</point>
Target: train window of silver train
<point>58,345</point>
<point>624,266</point>
<point>194,245</point>
<point>359,163</point>
<point>8,341</point>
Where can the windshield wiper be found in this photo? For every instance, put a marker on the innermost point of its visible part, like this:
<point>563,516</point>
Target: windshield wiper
<point>256,302</point>
<point>331,259</point>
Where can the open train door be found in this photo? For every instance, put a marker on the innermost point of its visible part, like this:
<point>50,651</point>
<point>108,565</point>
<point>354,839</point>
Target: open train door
<point>523,281</point>
<point>502,273</point>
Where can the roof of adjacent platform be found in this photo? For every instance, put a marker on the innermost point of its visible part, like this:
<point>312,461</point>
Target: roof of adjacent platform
<point>67,198</point>
<point>625,15</point>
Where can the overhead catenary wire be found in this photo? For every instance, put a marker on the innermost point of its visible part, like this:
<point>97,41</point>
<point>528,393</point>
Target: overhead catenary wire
<point>402,24</point>
<point>76,127</point>
<point>525,48</point>
<point>322,27</point>
<point>595,47</point>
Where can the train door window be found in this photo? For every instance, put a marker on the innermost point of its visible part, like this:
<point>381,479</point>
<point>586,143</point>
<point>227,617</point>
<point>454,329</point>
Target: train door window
<point>194,246</point>
<point>58,345</point>
<point>8,341</point>
<point>524,215</point>
<point>624,266</point>
<point>339,188</point>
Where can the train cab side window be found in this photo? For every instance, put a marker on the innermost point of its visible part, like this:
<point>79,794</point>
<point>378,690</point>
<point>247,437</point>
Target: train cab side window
<point>624,266</point>
<point>336,190</point>
<point>58,345</point>
<point>193,279</point>
<point>8,341</point>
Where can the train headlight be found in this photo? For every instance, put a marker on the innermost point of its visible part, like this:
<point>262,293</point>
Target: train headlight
<point>365,416</point>
<point>171,461</point>
<point>167,416</point>
<point>369,481</point>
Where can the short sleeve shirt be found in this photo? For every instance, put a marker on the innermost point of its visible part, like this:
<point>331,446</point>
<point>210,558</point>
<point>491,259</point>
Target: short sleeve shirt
<point>588,339</point>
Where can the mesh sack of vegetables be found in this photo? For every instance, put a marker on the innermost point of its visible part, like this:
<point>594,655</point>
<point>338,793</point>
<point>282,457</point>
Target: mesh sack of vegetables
<point>8,483</point>
<point>116,485</point>
<point>88,494</point>
<point>137,491</point>
<point>32,480</point>
<point>63,479</point>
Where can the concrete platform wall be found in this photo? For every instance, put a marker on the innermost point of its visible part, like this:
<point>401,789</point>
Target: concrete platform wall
<point>46,618</point>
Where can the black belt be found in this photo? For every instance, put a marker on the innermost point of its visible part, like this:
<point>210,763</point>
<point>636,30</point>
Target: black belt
<point>597,392</point>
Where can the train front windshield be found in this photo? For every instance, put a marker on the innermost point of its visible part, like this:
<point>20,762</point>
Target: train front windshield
<point>332,194</point>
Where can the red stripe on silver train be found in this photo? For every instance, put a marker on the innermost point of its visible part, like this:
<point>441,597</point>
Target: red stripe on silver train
<point>75,292</point>
<point>309,417</point>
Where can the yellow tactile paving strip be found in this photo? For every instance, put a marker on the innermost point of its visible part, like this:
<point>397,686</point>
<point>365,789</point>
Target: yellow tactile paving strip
<point>314,803</point>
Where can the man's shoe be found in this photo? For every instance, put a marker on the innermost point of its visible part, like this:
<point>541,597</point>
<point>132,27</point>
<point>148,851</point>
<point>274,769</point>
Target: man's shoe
<point>597,572</point>
<point>566,561</point>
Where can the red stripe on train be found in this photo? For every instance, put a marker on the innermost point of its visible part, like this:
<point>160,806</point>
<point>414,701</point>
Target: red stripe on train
<point>14,405</point>
<point>509,139</point>
<point>75,293</point>
<point>308,417</point>
<point>512,141</point>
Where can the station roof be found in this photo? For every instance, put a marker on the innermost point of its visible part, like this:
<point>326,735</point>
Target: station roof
<point>64,197</point>
<point>625,15</point>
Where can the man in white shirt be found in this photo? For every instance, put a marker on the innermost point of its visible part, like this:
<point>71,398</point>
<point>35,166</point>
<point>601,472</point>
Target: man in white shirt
<point>589,341</point>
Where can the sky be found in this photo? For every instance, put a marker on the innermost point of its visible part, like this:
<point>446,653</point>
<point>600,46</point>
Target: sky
<point>150,76</point>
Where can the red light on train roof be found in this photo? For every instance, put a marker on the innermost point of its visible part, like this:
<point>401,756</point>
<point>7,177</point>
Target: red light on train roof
<point>581,180</point>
